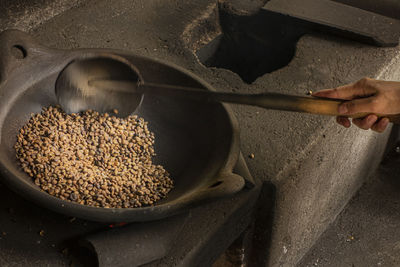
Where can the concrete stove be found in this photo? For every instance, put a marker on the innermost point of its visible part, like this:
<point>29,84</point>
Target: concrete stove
<point>315,165</point>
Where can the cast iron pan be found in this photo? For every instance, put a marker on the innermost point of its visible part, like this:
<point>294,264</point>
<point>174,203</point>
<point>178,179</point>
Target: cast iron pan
<point>197,143</point>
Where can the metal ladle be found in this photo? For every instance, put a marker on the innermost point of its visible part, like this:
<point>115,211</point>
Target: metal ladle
<point>107,83</point>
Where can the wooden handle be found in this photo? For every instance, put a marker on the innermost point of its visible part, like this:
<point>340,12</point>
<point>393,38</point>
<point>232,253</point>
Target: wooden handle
<point>330,107</point>
<point>313,105</point>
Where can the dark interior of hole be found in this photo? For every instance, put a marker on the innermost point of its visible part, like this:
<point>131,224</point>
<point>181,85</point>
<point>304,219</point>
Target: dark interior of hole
<point>82,254</point>
<point>18,51</point>
<point>252,46</point>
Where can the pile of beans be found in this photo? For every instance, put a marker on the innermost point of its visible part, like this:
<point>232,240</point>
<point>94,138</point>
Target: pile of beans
<point>92,159</point>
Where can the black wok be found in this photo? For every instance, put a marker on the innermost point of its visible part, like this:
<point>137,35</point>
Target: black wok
<point>197,143</point>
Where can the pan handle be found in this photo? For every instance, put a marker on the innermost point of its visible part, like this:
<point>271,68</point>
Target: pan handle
<point>226,185</point>
<point>17,48</point>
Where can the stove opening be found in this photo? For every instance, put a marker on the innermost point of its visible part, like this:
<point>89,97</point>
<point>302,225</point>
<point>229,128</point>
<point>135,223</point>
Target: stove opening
<point>251,46</point>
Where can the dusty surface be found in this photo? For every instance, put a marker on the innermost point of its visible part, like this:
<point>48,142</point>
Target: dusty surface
<point>316,165</point>
<point>366,233</point>
<point>386,7</point>
<point>26,15</point>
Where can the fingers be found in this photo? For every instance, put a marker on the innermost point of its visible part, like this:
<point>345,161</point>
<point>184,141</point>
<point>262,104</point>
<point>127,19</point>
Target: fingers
<point>366,122</point>
<point>369,122</point>
<point>381,125</point>
<point>343,121</point>
<point>369,105</point>
<point>367,96</point>
<point>361,88</point>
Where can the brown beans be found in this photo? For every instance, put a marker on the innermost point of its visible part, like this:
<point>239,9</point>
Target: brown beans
<point>92,159</point>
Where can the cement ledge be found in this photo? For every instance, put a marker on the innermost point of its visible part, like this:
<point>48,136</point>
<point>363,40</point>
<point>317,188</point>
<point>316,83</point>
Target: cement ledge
<point>317,189</point>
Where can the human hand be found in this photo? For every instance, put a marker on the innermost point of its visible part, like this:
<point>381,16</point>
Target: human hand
<point>366,96</point>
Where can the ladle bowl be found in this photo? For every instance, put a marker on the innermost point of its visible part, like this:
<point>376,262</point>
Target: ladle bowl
<point>75,94</point>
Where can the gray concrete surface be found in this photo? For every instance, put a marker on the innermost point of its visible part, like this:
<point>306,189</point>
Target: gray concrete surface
<point>389,8</point>
<point>316,165</point>
<point>28,14</point>
<point>367,232</point>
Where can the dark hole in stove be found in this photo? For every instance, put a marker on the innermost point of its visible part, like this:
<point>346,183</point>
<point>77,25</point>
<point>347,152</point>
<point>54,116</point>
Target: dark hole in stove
<point>18,51</point>
<point>252,46</point>
<point>83,254</point>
